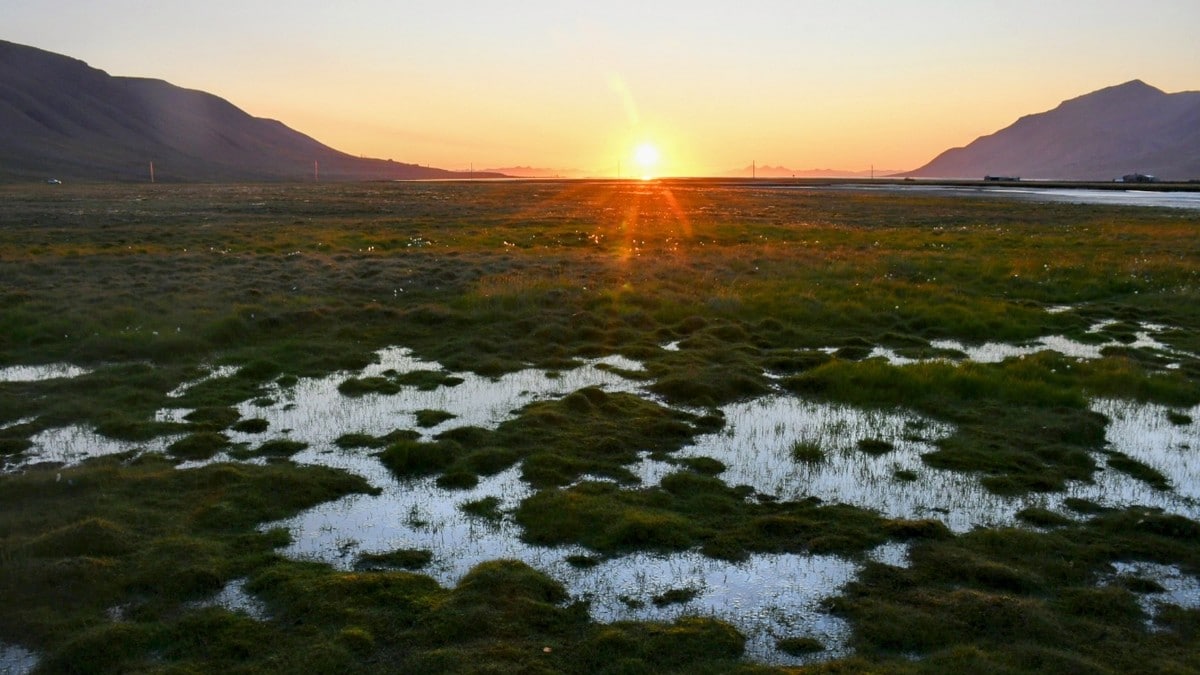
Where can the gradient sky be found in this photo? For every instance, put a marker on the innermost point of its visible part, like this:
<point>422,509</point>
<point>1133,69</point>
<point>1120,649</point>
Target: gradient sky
<point>715,85</point>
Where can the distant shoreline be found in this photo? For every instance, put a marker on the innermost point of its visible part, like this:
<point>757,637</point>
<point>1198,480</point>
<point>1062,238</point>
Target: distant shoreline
<point>1165,186</point>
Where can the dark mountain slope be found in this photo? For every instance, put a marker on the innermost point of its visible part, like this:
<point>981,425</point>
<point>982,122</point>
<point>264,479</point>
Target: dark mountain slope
<point>61,118</point>
<point>1128,128</point>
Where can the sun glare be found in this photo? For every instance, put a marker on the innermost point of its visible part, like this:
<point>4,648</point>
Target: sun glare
<point>646,155</point>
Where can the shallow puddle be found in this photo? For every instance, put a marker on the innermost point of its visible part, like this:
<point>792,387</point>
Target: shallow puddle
<point>315,412</point>
<point>74,444</point>
<point>16,660</point>
<point>1145,432</point>
<point>766,597</point>
<point>235,598</point>
<point>16,423</point>
<point>996,352</point>
<point>212,374</point>
<point>1179,589</point>
<point>52,371</point>
<point>757,445</point>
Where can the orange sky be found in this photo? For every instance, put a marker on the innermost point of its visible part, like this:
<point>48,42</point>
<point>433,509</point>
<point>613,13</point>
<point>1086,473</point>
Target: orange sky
<point>713,85</point>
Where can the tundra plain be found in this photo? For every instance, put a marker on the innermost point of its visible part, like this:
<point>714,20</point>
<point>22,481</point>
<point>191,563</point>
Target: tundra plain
<point>602,427</point>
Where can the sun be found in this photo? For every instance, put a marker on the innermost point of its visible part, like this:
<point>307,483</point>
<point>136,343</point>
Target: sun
<point>646,156</point>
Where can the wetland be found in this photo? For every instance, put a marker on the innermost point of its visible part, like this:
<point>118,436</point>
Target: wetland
<point>595,427</point>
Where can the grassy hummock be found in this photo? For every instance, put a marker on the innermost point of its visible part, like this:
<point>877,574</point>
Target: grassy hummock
<point>212,298</point>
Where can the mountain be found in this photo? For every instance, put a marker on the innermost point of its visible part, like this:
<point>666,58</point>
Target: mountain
<point>537,172</point>
<point>1132,127</point>
<point>60,118</point>
<point>784,172</point>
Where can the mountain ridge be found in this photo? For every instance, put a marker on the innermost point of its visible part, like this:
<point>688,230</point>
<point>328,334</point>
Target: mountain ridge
<point>781,171</point>
<point>1126,128</point>
<point>61,118</point>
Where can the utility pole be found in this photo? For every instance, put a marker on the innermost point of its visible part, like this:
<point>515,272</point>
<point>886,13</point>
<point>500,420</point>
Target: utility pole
<point>753,169</point>
<point>151,171</point>
<point>316,171</point>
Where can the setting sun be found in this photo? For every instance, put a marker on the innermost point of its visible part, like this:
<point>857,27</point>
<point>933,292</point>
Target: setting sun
<point>646,156</point>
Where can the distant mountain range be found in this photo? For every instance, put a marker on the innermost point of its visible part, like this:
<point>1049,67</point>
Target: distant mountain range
<point>536,172</point>
<point>60,118</point>
<point>784,172</point>
<point>1129,128</point>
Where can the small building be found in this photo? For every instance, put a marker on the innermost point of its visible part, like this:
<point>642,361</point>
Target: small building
<point>1001,179</point>
<point>1138,178</point>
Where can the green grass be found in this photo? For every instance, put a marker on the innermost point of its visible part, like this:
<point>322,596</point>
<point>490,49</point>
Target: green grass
<point>1021,600</point>
<point>691,510</point>
<point>432,418</point>
<point>808,453</point>
<point>1139,470</point>
<point>875,446</point>
<point>674,596</point>
<point>153,287</point>
<point>1177,418</point>
<point>200,445</point>
<point>487,508</point>
<point>799,646</point>
<point>588,431</point>
<point>142,534</point>
<point>280,447</point>
<point>408,559</point>
<point>1024,423</point>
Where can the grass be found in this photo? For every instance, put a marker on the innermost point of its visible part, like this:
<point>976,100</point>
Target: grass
<point>692,510</point>
<point>487,508</point>
<point>808,453</point>
<point>405,558</point>
<point>674,596</point>
<point>799,646</point>
<point>280,447</point>
<point>1023,600</point>
<point>587,432</point>
<point>1139,470</point>
<point>200,445</point>
<point>875,446</point>
<point>1177,418</point>
<point>756,290</point>
<point>1024,423</point>
<point>432,418</point>
<point>142,534</point>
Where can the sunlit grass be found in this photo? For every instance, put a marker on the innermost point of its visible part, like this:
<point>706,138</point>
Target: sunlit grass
<point>151,285</point>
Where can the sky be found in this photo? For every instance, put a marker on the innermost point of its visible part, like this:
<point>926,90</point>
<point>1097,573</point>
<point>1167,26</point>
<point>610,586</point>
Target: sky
<point>712,86</point>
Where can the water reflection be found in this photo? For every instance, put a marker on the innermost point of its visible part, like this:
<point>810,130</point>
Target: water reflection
<point>235,598</point>
<point>16,660</point>
<point>1033,192</point>
<point>1178,588</point>
<point>1145,432</point>
<point>995,352</point>
<point>757,444</point>
<point>315,412</point>
<point>766,597</point>
<point>71,445</point>
<point>52,371</point>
